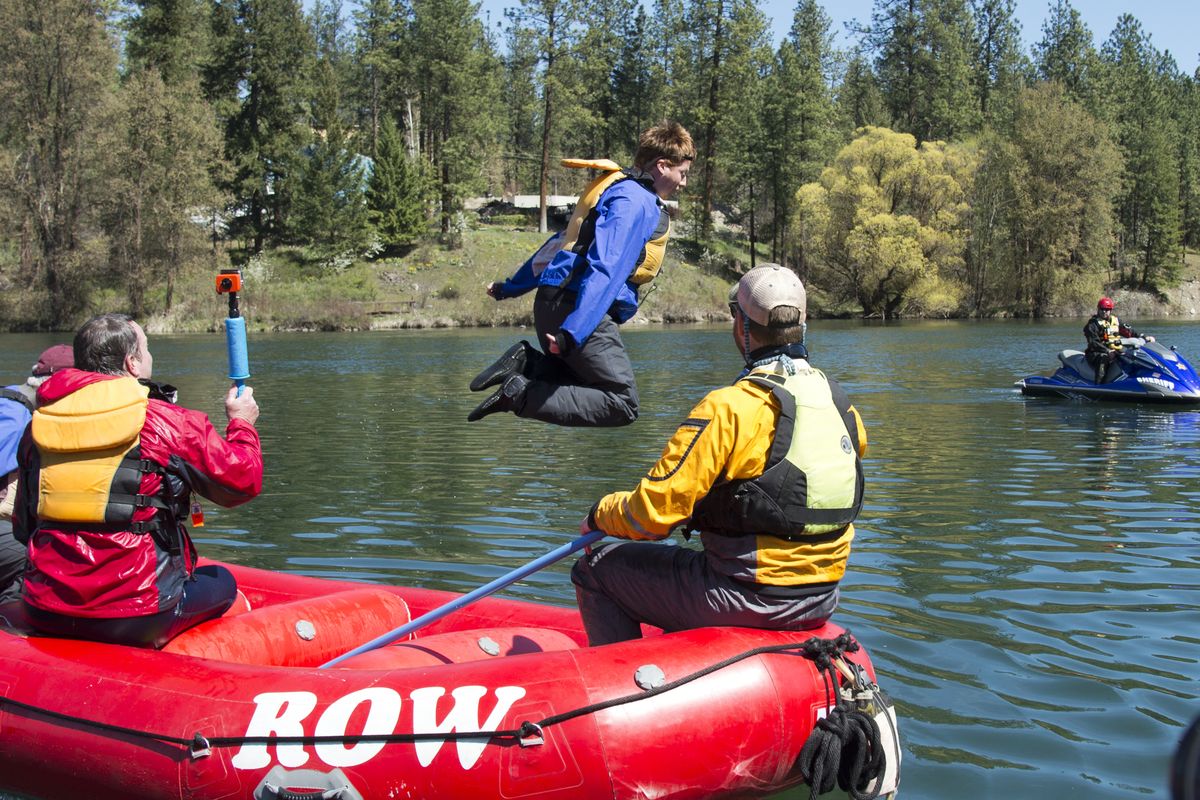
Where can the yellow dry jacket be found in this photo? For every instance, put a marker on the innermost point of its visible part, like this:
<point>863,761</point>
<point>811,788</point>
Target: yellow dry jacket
<point>728,439</point>
<point>90,456</point>
<point>581,230</point>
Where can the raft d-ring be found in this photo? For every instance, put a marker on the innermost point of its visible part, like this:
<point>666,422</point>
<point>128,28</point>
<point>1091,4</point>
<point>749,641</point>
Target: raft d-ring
<point>200,747</point>
<point>530,735</point>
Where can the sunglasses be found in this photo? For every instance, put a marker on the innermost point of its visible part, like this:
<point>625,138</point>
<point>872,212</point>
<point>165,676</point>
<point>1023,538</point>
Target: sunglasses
<point>733,309</point>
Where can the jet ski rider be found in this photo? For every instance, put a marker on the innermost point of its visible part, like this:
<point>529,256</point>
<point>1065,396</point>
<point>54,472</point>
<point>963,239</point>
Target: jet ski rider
<point>1104,333</point>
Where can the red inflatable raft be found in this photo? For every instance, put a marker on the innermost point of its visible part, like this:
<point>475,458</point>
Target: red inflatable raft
<point>501,699</point>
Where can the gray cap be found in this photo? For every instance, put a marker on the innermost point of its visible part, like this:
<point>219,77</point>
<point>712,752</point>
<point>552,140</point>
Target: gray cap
<point>767,287</point>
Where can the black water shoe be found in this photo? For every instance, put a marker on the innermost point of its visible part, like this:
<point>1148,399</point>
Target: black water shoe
<point>511,363</point>
<point>506,398</point>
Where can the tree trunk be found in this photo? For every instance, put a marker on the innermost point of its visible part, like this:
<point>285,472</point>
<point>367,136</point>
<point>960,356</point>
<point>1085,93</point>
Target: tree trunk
<point>710,132</point>
<point>547,119</point>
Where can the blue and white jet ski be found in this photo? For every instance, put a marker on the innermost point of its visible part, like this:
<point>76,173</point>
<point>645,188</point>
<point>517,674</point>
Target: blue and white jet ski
<point>1148,373</point>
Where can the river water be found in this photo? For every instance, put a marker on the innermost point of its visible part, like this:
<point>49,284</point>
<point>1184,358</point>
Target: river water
<point>1024,574</point>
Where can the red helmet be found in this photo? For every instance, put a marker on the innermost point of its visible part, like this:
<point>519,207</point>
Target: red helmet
<point>1105,304</point>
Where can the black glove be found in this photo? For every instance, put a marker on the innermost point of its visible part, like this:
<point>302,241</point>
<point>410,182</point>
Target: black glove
<point>565,342</point>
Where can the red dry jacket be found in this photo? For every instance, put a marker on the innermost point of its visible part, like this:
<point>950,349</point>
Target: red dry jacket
<point>98,569</point>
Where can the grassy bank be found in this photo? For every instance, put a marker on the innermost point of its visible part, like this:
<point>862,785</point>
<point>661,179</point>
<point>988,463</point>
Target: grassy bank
<point>427,287</point>
<point>433,287</point>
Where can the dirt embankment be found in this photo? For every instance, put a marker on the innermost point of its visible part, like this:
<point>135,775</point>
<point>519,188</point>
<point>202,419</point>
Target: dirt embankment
<point>1178,301</point>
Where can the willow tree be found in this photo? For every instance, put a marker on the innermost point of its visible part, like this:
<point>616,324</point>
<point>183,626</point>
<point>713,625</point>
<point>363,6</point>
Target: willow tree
<point>885,226</point>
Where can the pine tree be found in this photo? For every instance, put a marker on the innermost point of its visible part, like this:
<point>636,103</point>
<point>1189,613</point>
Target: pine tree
<point>1065,53</point>
<point>800,118</point>
<point>171,36</point>
<point>636,95</point>
<point>328,206</point>
<point>592,129</point>
<point>859,99</point>
<point>161,151</point>
<point>998,61</point>
<point>1055,176</point>
<point>894,36</point>
<point>397,192</point>
<point>456,86</point>
<point>946,101</point>
<point>1188,111</point>
<point>551,26</point>
<point>259,82</point>
<point>521,140</point>
<point>1136,87</point>
<point>742,163</point>
<point>379,31</point>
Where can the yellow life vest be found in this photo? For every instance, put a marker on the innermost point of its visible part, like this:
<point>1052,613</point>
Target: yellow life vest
<point>89,446</point>
<point>1111,328</point>
<point>580,231</point>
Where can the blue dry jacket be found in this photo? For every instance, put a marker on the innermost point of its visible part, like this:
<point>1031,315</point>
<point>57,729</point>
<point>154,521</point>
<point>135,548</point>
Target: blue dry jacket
<point>628,214</point>
<point>14,417</point>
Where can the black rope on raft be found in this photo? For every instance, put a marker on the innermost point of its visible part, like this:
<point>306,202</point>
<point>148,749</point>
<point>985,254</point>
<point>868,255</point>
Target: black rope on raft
<point>844,750</point>
<point>820,651</point>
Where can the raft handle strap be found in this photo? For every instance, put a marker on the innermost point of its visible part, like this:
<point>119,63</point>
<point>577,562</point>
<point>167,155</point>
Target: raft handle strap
<point>317,794</point>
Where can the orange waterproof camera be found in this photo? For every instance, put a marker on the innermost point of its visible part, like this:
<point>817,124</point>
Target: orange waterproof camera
<point>229,280</point>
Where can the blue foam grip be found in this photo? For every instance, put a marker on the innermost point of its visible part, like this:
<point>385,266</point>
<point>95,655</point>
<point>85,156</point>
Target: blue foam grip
<point>235,343</point>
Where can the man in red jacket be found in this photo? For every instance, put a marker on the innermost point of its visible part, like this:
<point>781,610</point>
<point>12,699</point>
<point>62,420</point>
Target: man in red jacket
<point>108,468</point>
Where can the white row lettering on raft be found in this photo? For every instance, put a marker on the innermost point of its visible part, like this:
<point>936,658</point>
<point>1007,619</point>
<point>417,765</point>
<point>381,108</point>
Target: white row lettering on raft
<point>285,714</point>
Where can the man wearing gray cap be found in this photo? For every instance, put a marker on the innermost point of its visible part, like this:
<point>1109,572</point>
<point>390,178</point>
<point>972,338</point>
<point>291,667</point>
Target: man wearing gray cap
<point>768,470</point>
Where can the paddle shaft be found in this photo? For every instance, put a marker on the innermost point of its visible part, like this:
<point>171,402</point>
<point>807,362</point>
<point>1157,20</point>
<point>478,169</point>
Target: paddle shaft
<point>483,591</point>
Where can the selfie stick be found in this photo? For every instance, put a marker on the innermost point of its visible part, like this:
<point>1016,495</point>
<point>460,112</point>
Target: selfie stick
<point>229,282</point>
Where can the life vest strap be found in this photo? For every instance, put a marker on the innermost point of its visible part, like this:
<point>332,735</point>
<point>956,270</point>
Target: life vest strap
<point>16,397</point>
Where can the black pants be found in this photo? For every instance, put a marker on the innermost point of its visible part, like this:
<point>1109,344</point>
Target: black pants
<point>12,563</point>
<point>592,385</point>
<point>1104,365</point>
<point>207,595</point>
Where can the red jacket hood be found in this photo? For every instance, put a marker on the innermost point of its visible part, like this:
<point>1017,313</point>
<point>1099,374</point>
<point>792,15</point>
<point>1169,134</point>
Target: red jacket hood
<point>65,381</point>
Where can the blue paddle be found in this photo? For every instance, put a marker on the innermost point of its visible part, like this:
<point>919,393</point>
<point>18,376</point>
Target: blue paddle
<point>480,593</point>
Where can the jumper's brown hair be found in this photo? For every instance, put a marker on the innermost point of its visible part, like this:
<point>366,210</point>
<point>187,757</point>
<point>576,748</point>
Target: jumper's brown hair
<point>668,140</point>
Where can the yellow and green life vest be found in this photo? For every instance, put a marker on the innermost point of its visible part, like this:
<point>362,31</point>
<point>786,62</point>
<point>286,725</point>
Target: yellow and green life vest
<point>812,484</point>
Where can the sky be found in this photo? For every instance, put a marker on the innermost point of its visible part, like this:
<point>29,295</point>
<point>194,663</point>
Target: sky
<point>1173,25</point>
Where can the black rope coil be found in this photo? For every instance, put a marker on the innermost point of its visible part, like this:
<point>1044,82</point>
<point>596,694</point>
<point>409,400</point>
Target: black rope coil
<point>844,749</point>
